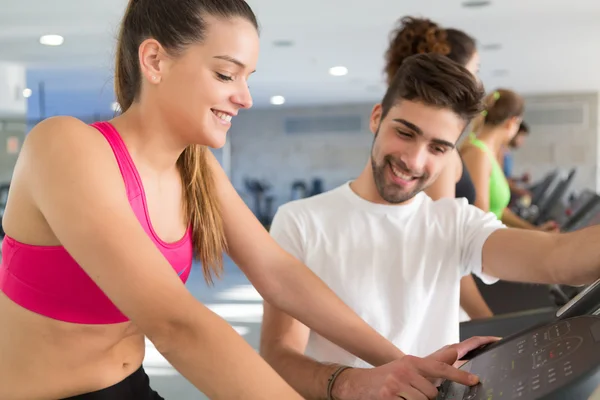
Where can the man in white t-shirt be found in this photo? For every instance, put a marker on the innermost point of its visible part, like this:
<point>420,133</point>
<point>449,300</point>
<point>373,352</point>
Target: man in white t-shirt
<point>395,256</point>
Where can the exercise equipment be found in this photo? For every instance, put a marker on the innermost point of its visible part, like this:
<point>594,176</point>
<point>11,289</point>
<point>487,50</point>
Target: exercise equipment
<point>540,190</point>
<point>263,204</point>
<point>579,200</point>
<point>300,189</point>
<point>553,207</point>
<point>548,200</point>
<point>528,208</point>
<point>548,361</point>
<point>587,214</point>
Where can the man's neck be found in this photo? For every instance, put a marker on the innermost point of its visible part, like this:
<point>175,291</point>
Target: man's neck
<point>365,188</point>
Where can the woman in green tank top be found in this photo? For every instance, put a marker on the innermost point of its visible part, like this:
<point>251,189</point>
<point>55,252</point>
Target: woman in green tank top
<point>499,190</point>
<point>496,127</point>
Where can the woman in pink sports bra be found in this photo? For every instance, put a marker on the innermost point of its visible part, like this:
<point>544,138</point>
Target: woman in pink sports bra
<point>102,222</point>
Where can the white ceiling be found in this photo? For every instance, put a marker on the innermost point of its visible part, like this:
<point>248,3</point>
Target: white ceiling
<point>547,45</point>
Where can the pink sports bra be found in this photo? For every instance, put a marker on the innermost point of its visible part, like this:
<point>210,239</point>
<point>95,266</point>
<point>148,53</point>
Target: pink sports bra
<point>48,281</point>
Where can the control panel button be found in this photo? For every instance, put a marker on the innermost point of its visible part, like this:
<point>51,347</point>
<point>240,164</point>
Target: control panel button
<point>559,330</point>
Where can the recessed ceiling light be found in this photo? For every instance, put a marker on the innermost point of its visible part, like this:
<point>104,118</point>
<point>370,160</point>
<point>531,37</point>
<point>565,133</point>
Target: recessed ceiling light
<point>52,40</point>
<point>476,3</point>
<point>277,100</point>
<point>27,93</point>
<point>338,71</point>
<point>491,47</point>
<point>283,43</point>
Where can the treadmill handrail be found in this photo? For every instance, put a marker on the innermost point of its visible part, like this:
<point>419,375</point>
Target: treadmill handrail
<point>582,213</point>
<point>517,314</point>
<point>586,302</point>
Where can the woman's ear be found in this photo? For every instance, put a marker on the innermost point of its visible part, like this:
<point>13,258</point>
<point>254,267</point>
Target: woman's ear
<point>151,60</point>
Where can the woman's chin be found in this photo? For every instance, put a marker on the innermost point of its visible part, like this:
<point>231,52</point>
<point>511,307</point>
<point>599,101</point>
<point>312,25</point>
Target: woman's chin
<point>215,141</point>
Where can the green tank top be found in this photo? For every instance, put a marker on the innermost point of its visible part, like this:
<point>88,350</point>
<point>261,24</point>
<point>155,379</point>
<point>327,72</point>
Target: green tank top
<point>499,188</point>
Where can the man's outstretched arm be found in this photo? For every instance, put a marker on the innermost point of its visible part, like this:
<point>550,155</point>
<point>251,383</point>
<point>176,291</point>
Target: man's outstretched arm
<point>540,257</point>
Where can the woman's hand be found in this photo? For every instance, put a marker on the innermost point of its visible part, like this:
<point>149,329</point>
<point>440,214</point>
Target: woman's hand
<point>550,226</point>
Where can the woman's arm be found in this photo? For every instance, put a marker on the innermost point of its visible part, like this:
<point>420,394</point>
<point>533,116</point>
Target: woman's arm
<point>70,173</point>
<point>512,220</point>
<point>471,299</point>
<point>480,169</point>
<point>289,285</point>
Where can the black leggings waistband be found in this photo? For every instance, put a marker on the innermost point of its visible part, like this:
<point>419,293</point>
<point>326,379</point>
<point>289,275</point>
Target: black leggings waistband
<point>135,387</point>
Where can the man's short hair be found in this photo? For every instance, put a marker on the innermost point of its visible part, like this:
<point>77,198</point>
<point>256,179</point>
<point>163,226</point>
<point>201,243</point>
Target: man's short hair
<point>435,80</point>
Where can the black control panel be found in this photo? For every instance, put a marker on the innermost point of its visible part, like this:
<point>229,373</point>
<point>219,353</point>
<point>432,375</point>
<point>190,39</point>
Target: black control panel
<point>557,361</point>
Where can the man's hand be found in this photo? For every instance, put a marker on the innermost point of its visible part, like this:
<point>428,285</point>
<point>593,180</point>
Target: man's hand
<point>410,377</point>
<point>472,343</point>
<point>464,347</point>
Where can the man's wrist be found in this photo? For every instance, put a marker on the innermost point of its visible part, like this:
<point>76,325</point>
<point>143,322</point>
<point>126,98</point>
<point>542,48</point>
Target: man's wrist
<point>342,386</point>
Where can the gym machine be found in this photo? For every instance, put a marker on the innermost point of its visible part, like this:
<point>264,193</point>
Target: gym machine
<point>551,360</point>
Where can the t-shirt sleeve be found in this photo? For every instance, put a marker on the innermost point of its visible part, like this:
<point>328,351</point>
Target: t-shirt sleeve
<point>476,227</point>
<point>287,232</point>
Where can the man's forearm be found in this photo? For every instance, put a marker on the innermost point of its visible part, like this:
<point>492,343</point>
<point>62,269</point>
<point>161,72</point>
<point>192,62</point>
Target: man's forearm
<point>307,376</point>
<point>576,259</point>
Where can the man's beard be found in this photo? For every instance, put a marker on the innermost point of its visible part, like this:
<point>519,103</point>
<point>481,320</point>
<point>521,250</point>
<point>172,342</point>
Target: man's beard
<point>390,191</point>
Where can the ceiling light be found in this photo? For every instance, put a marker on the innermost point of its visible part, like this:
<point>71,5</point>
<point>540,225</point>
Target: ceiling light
<point>27,93</point>
<point>277,100</point>
<point>491,47</point>
<point>338,71</point>
<point>476,3</point>
<point>283,43</point>
<point>52,40</point>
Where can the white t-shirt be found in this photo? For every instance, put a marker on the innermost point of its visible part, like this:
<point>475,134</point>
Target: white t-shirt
<point>397,266</point>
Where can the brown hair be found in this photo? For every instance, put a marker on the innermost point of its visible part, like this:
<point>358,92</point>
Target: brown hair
<point>500,105</point>
<point>435,80</point>
<point>462,46</point>
<point>420,35</point>
<point>177,24</point>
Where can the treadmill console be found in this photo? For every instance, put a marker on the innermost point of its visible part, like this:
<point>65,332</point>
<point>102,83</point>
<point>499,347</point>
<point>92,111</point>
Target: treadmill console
<point>556,361</point>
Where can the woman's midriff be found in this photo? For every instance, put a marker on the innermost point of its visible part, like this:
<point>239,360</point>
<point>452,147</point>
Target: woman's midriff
<point>44,359</point>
